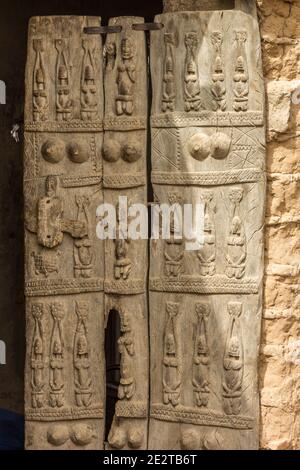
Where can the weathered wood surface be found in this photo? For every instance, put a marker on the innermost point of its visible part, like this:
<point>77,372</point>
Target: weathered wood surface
<point>208,144</point>
<point>73,279</point>
<point>126,261</point>
<point>65,386</point>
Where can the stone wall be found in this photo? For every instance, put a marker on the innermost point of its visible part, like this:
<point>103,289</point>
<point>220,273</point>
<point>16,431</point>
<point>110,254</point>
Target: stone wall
<point>280,348</point>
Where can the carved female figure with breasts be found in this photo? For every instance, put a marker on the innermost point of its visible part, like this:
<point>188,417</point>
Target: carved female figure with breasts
<point>233,362</point>
<point>126,348</point>
<point>171,364</point>
<point>126,78</point>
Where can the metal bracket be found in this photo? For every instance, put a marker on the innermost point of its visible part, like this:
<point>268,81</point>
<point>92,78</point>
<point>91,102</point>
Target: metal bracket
<point>102,29</point>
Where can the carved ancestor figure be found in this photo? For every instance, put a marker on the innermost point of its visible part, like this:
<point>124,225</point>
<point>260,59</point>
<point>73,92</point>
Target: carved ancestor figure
<point>57,360</point>
<point>83,250</point>
<point>201,361</point>
<point>191,77</point>
<point>241,77</point>
<point>82,361</point>
<point>207,254</point>
<point>50,222</point>
<point>64,103</point>
<point>126,77</point>
<point>171,360</point>
<point>89,102</point>
<point>169,93</point>
<point>123,263</point>
<point>38,358</point>
<point>236,241</point>
<point>126,348</point>
<point>233,362</point>
<point>40,95</point>
<point>174,245</point>
<point>218,88</point>
<point>111,52</point>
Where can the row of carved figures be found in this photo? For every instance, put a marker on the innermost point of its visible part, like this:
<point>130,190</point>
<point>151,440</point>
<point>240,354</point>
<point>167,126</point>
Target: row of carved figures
<point>125,80</point>
<point>64,102</point>
<point>57,356</point>
<point>236,249</point>
<point>233,360</point>
<point>191,83</point>
<point>81,357</point>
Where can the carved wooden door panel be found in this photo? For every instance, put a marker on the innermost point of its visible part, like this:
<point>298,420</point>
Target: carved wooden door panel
<point>65,386</point>
<point>126,260</point>
<point>205,305</point>
<point>73,278</point>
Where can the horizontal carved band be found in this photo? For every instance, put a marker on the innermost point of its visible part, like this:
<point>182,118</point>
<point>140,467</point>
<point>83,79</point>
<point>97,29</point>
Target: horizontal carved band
<point>47,287</point>
<point>113,123</point>
<point>208,118</point>
<point>95,412</point>
<point>131,410</point>
<point>208,178</point>
<point>188,415</point>
<point>218,284</point>
<point>71,126</point>
<point>123,181</point>
<point>80,181</point>
<point>133,287</point>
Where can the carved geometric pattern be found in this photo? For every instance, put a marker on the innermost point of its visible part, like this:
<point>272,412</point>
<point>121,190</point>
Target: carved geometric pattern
<point>208,119</point>
<point>130,287</point>
<point>217,284</point>
<point>56,127</point>
<point>123,181</point>
<point>115,123</point>
<point>80,181</point>
<point>131,410</point>
<point>208,178</point>
<point>184,414</point>
<point>94,412</point>
<point>62,286</point>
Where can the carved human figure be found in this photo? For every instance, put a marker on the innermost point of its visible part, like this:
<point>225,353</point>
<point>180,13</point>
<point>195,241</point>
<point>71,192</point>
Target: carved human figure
<point>233,362</point>
<point>241,77</point>
<point>64,102</point>
<point>169,92</point>
<point>57,360</point>
<point>50,212</point>
<point>40,95</point>
<point>111,52</point>
<point>126,348</point>
<point>126,77</point>
<point>174,245</point>
<point>82,361</point>
<point>171,359</point>
<point>88,100</point>
<point>201,360</point>
<point>83,249</point>
<point>38,358</point>
<point>191,77</point>
<point>218,88</point>
<point>207,253</point>
<point>50,222</point>
<point>123,264</point>
<point>236,252</point>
